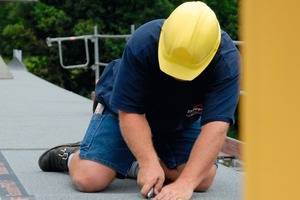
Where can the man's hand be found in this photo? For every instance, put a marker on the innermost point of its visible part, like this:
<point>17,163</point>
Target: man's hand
<point>137,134</point>
<point>149,176</point>
<point>175,191</point>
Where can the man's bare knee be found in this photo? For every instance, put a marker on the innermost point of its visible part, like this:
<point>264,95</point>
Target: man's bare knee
<point>208,180</point>
<point>90,176</point>
<point>204,186</point>
<point>82,183</point>
<point>85,183</point>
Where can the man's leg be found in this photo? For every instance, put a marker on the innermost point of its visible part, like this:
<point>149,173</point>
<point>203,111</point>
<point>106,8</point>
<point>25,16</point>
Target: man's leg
<point>96,178</point>
<point>64,158</point>
<point>103,155</point>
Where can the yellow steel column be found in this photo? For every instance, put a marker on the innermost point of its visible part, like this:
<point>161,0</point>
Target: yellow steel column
<point>270,116</point>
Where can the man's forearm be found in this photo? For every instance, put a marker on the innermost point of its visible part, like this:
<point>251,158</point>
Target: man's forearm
<point>204,153</point>
<point>137,134</point>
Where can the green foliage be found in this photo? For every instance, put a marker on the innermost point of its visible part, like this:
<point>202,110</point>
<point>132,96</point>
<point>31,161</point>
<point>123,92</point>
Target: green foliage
<point>233,133</point>
<point>17,35</point>
<point>49,19</point>
<point>35,65</point>
<point>84,27</point>
<point>227,13</point>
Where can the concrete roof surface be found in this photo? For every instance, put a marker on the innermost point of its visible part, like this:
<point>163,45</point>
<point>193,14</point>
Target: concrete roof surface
<point>36,115</point>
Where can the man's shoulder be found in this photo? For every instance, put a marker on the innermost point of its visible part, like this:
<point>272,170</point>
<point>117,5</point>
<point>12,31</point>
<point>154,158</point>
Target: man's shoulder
<point>152,25</point>
<point>226,40</point>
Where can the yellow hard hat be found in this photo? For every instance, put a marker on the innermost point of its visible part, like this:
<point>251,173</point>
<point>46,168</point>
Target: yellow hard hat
<point>188,41</point>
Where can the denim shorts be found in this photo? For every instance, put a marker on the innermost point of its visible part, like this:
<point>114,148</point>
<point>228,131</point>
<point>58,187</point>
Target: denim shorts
<point>103,143</point>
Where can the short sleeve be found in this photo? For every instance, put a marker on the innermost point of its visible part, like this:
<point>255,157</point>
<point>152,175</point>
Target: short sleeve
<point>223,94</point>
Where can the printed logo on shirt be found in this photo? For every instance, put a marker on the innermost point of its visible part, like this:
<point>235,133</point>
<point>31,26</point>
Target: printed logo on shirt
<point>197,110</point>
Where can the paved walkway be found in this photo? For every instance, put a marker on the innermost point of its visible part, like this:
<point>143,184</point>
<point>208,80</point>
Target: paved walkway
<point>36,115</point>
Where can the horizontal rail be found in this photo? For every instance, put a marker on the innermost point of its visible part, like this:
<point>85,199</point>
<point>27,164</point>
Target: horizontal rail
<point>49,40</point>
<point>238,43</point>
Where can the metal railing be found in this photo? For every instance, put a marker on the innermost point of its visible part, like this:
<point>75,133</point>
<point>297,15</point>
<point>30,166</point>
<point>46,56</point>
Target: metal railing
<point>95,39</point>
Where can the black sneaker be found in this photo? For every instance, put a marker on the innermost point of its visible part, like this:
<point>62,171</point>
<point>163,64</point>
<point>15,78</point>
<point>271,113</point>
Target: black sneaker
<point>56,158</point>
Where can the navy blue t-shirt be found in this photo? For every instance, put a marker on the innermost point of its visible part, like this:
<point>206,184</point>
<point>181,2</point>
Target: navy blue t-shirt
<point>136,84</point>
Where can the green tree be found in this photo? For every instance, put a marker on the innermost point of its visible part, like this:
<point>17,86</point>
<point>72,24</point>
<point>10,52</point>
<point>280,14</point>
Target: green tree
<point>14,30</point>
<point>227,13</point>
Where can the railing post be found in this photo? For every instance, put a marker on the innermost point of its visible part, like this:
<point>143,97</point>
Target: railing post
<point>96,54</point>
